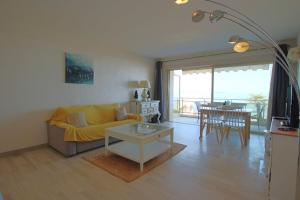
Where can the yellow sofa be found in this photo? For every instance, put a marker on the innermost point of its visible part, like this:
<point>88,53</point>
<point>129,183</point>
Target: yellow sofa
<point>62,135</point>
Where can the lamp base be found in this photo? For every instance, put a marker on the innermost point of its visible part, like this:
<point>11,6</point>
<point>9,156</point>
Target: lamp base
<point>144,95</point>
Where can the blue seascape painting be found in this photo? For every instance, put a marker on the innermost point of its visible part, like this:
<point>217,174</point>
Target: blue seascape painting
<point>79,69</point>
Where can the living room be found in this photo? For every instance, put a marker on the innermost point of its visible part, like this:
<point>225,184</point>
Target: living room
<point>133,46</point>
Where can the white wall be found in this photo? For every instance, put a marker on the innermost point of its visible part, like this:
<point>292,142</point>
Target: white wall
<point>32,85</point>
<point>32,78</point>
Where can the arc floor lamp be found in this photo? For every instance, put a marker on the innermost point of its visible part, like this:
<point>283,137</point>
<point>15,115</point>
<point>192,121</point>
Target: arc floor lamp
<point>264,39</point>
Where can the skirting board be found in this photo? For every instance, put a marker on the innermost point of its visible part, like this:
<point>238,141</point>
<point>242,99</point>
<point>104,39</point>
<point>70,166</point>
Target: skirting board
<point>19,151</point>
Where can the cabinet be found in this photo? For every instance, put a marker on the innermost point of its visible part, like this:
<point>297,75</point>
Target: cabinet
<point>282,161</point>
<point>147,109</point>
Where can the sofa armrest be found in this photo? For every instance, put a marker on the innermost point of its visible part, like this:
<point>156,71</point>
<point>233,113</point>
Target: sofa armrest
<point>56,140</point>
<point>135,117</point>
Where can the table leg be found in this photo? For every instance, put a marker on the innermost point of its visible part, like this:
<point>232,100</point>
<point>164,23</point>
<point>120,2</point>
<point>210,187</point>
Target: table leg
<point>141,157</point>
<point>247,126</point>
<point>106,143</point>
<point>201,125</point>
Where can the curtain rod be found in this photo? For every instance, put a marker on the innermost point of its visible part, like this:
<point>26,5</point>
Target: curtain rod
<point>209,55</point>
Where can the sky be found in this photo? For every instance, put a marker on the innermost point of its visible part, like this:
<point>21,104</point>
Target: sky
<point>227,85</point>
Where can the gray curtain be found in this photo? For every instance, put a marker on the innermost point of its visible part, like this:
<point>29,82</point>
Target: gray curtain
<point>158,92</point>
<point>278,90</point>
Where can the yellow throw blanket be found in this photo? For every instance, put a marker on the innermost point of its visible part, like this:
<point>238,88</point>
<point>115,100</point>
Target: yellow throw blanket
<point>89,133</point>
<point>99,117</point>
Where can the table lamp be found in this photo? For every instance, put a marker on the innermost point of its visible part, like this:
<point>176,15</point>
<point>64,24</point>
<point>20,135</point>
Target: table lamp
<point>145,84</point>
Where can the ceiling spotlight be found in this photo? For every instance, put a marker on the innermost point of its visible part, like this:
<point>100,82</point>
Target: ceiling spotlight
<point>241,46</point>
<point>181,2</point>
<point>234,39</point>
<point>198,15</point>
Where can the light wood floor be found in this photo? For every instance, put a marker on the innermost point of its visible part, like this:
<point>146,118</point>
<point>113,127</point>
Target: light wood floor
<point>204,170</point>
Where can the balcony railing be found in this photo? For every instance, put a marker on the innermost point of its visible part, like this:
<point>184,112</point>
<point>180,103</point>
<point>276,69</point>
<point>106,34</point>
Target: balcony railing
<point>186,107</point>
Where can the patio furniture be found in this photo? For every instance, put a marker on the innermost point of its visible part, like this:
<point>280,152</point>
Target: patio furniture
<point>260,113</point>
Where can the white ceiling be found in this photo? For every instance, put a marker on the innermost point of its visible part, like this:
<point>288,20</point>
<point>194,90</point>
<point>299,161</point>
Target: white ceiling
<point>152,28</point>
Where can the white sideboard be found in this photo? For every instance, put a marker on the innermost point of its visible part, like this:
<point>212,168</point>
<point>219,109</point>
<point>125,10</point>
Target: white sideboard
<point>282,163</point>
<point>147,109</point>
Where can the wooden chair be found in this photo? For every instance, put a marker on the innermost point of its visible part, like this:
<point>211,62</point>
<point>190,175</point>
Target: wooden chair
<point>216,104</point>
<point>198,106</point>
<point>213,120</point>
<point>235,106</point>
<point>240,106</point>
<point>234,120</point>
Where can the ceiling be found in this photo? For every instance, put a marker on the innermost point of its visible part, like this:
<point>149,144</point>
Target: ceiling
<point>152,28</point>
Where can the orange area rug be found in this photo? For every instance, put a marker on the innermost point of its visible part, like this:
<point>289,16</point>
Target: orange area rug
<point>129,170</point>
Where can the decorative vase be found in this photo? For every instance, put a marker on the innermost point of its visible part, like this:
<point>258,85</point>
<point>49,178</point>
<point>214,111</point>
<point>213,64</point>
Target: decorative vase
<point>136,95</point>
<point>148,94</point>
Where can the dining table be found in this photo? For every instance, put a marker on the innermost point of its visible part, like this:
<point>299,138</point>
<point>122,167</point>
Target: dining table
<point>224,110</point>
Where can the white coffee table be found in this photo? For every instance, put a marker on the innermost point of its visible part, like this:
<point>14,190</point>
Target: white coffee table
<point>140,141</point>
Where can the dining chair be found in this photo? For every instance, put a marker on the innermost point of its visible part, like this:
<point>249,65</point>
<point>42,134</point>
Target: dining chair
<point>216,104</point>
<point>213,120</point>
<point>234,120</point>
<point>198,106</point>
<point>241,106</point>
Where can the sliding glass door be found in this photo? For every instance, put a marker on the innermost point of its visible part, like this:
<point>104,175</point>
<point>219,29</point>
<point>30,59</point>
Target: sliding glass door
<point>248,84</point>
<point>238,84</point>
<point>188,87</point>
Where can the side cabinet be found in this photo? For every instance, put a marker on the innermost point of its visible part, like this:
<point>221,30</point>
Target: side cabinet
<point>147,109</point>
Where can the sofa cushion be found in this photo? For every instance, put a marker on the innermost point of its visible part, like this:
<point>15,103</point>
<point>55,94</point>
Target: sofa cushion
<point>61,114</point>
<point>77,119</point>
<point>89,112</point>
<point>121,113</point>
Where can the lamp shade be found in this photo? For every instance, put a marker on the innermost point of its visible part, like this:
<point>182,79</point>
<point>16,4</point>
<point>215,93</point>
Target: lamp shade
<point>133,84</point>
<point>145,84</point>
<point>294,54</point>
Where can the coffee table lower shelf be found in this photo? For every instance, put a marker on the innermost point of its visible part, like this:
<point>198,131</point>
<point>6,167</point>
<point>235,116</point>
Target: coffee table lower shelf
<point>139,154</point>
